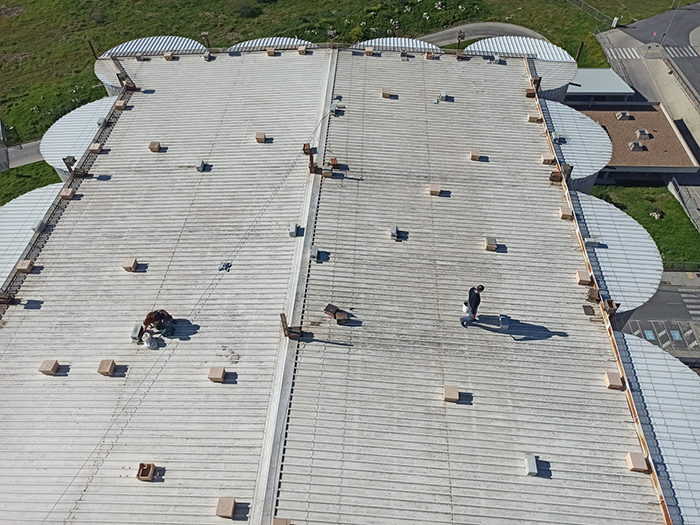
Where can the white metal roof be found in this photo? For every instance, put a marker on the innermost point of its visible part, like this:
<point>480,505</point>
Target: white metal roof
<point>598,81</point>
<point>624,257</point>
<point>16,220</point>
<point>667,397</point>
<point>278,42</point>
<point>106,71</point>
<point>583,143</point>
<point>520,46</point>
<point>555,76</point>
<point>398,44</point>
<point>156,45</point>
<point>73,133</point>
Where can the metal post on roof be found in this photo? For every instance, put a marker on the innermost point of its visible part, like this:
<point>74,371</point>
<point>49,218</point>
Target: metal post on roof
<point>92,48</point>
<point>205,36</point>
<point>578,53</point>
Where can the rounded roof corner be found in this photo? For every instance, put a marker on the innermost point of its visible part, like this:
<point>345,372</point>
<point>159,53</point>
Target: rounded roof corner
<point>398,44</point>
<point>156,45</point>
<point>626,261</point>
<point>527,47</point>
<point>580,141</point>
<point>72,134</point>
<point>278,42</point>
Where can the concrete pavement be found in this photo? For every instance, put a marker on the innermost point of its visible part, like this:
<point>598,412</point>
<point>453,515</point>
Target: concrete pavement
<point>24,154</point>
<point>479,30</point>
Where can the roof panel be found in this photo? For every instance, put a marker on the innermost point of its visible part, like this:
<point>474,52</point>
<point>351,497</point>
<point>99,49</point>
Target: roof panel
<point>73,133</point>
<point>16,220</point>
<point>625,260</point>
<point>278,42</point>
<point>598,82</point>
<point>156,45</point>
<point>520,46</point>
<point>398,44</point>
<point>667,396</point>
<point>583,143</point>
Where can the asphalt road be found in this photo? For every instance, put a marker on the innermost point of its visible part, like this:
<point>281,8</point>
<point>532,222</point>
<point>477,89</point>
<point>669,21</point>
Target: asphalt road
<point>479,30</point>
<point>685,20</point>
<point>673,29</point>
<point>25,154</point>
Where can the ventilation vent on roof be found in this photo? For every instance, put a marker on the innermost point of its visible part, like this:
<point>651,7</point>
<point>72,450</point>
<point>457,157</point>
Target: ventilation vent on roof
<point>643,134</point>
<point>217,374</point>
<point>207,56</point>
<point>106,367</point>
<point>146,471</point>
<point>558,137</point>
<point>168,55</point>
<point>636,146</point>
<point>49,367</point>
<point>369,51</point>
<point>302,50</point>
<point>530,465</point>
<point>226,507</point>
<point>623,115</point>
<point>130,264</point>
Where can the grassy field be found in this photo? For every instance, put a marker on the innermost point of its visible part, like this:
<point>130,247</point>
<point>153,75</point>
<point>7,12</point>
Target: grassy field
<point>675,235</point>
<point>46,64</point>
<point>17,181</point>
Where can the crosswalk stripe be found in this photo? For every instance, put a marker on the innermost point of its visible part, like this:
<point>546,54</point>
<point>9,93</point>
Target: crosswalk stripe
<point>634,52</point>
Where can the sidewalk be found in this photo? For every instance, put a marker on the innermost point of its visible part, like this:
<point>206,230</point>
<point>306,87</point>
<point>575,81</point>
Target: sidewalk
<point>24,154</point>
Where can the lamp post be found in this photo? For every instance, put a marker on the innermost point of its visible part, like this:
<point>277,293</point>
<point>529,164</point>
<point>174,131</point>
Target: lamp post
<point>205,36</point>
<point>460,37</point>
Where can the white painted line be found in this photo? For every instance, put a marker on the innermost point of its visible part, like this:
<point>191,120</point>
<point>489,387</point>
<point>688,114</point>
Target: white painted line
<point>661,333</point>
<point>664,345</point>
<point>694,343</point>
<point>634,53</point>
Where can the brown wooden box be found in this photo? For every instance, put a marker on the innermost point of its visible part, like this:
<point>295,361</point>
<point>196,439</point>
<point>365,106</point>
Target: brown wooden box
<point>369,51</point>
<point>120,105</point>
<point>24,266</point>
<point>270,51</point>
<point>168,55</point>
<point>490,244</point>
<point>49,367</point>
<point>474,154</point>
<point>260,137</point>
<point>386,93</point>
<point>583,277</point>
<point>130,264</point>
<point>154,146</point>
<point>637,462</point>
<point>302,50</point>
<point>67,194</point>
<point>565,213</point>
<point>226,507</point>
<point>95,148</point>
<point>451,393</point>
<point>106,367</point>
<point>613,380</point>
<point>146,471</point>
<point>435,189</point>
<point>217,374</point>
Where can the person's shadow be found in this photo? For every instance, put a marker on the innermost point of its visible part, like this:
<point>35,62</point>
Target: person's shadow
<point>517,330</point>
<point>183,330</point>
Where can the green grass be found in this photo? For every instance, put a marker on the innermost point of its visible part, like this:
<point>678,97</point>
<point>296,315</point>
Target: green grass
<point>675,235</point>
<point>17,181</point>
<point>46,65</point>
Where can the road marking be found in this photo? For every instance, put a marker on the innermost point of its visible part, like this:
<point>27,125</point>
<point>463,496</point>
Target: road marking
<point>623,53</point>
<point>681,52</point>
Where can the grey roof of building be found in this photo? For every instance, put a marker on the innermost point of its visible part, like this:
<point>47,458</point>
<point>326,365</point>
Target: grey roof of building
<point>598,81</point>
<point>72,134</point>
<point>278,42</point>
<point>521,46</point>
<point>349,425</point>
<point>369,438</point>
<point>71,444</point>
<point>156,45</point>
<point>667,396</point>
<point>583,143</point>
<point>17,218</point>
<point>398,44</point>
<point>625,260</point>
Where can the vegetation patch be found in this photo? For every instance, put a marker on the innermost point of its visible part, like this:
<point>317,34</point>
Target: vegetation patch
<point>674,233</point>
<point>18,181</point>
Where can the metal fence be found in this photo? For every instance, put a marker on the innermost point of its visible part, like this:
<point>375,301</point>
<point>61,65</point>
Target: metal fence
<point>595,13</point>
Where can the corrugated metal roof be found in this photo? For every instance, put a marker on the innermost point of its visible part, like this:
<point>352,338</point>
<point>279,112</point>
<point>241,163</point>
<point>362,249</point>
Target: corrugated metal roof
<point>16,220</point>
<point>71,445</point>
<point>278,42</point>
<point>106,71</point>
<point>667,397</point>
<point>624,257</point>
<point>583,143</point>
<point>369,436</point>
<point>73,133</point>
<point>598,82</point>
<point>398,44</point>
<point>156,45</point>
<point>555,76</point>
<point>520,46</point>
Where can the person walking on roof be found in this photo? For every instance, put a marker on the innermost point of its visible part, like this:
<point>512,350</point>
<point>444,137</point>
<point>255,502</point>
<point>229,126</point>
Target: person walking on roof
<point>471,305</point>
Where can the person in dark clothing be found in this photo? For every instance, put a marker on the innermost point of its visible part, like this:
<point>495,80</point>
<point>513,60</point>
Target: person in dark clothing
<point>474,301</point>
